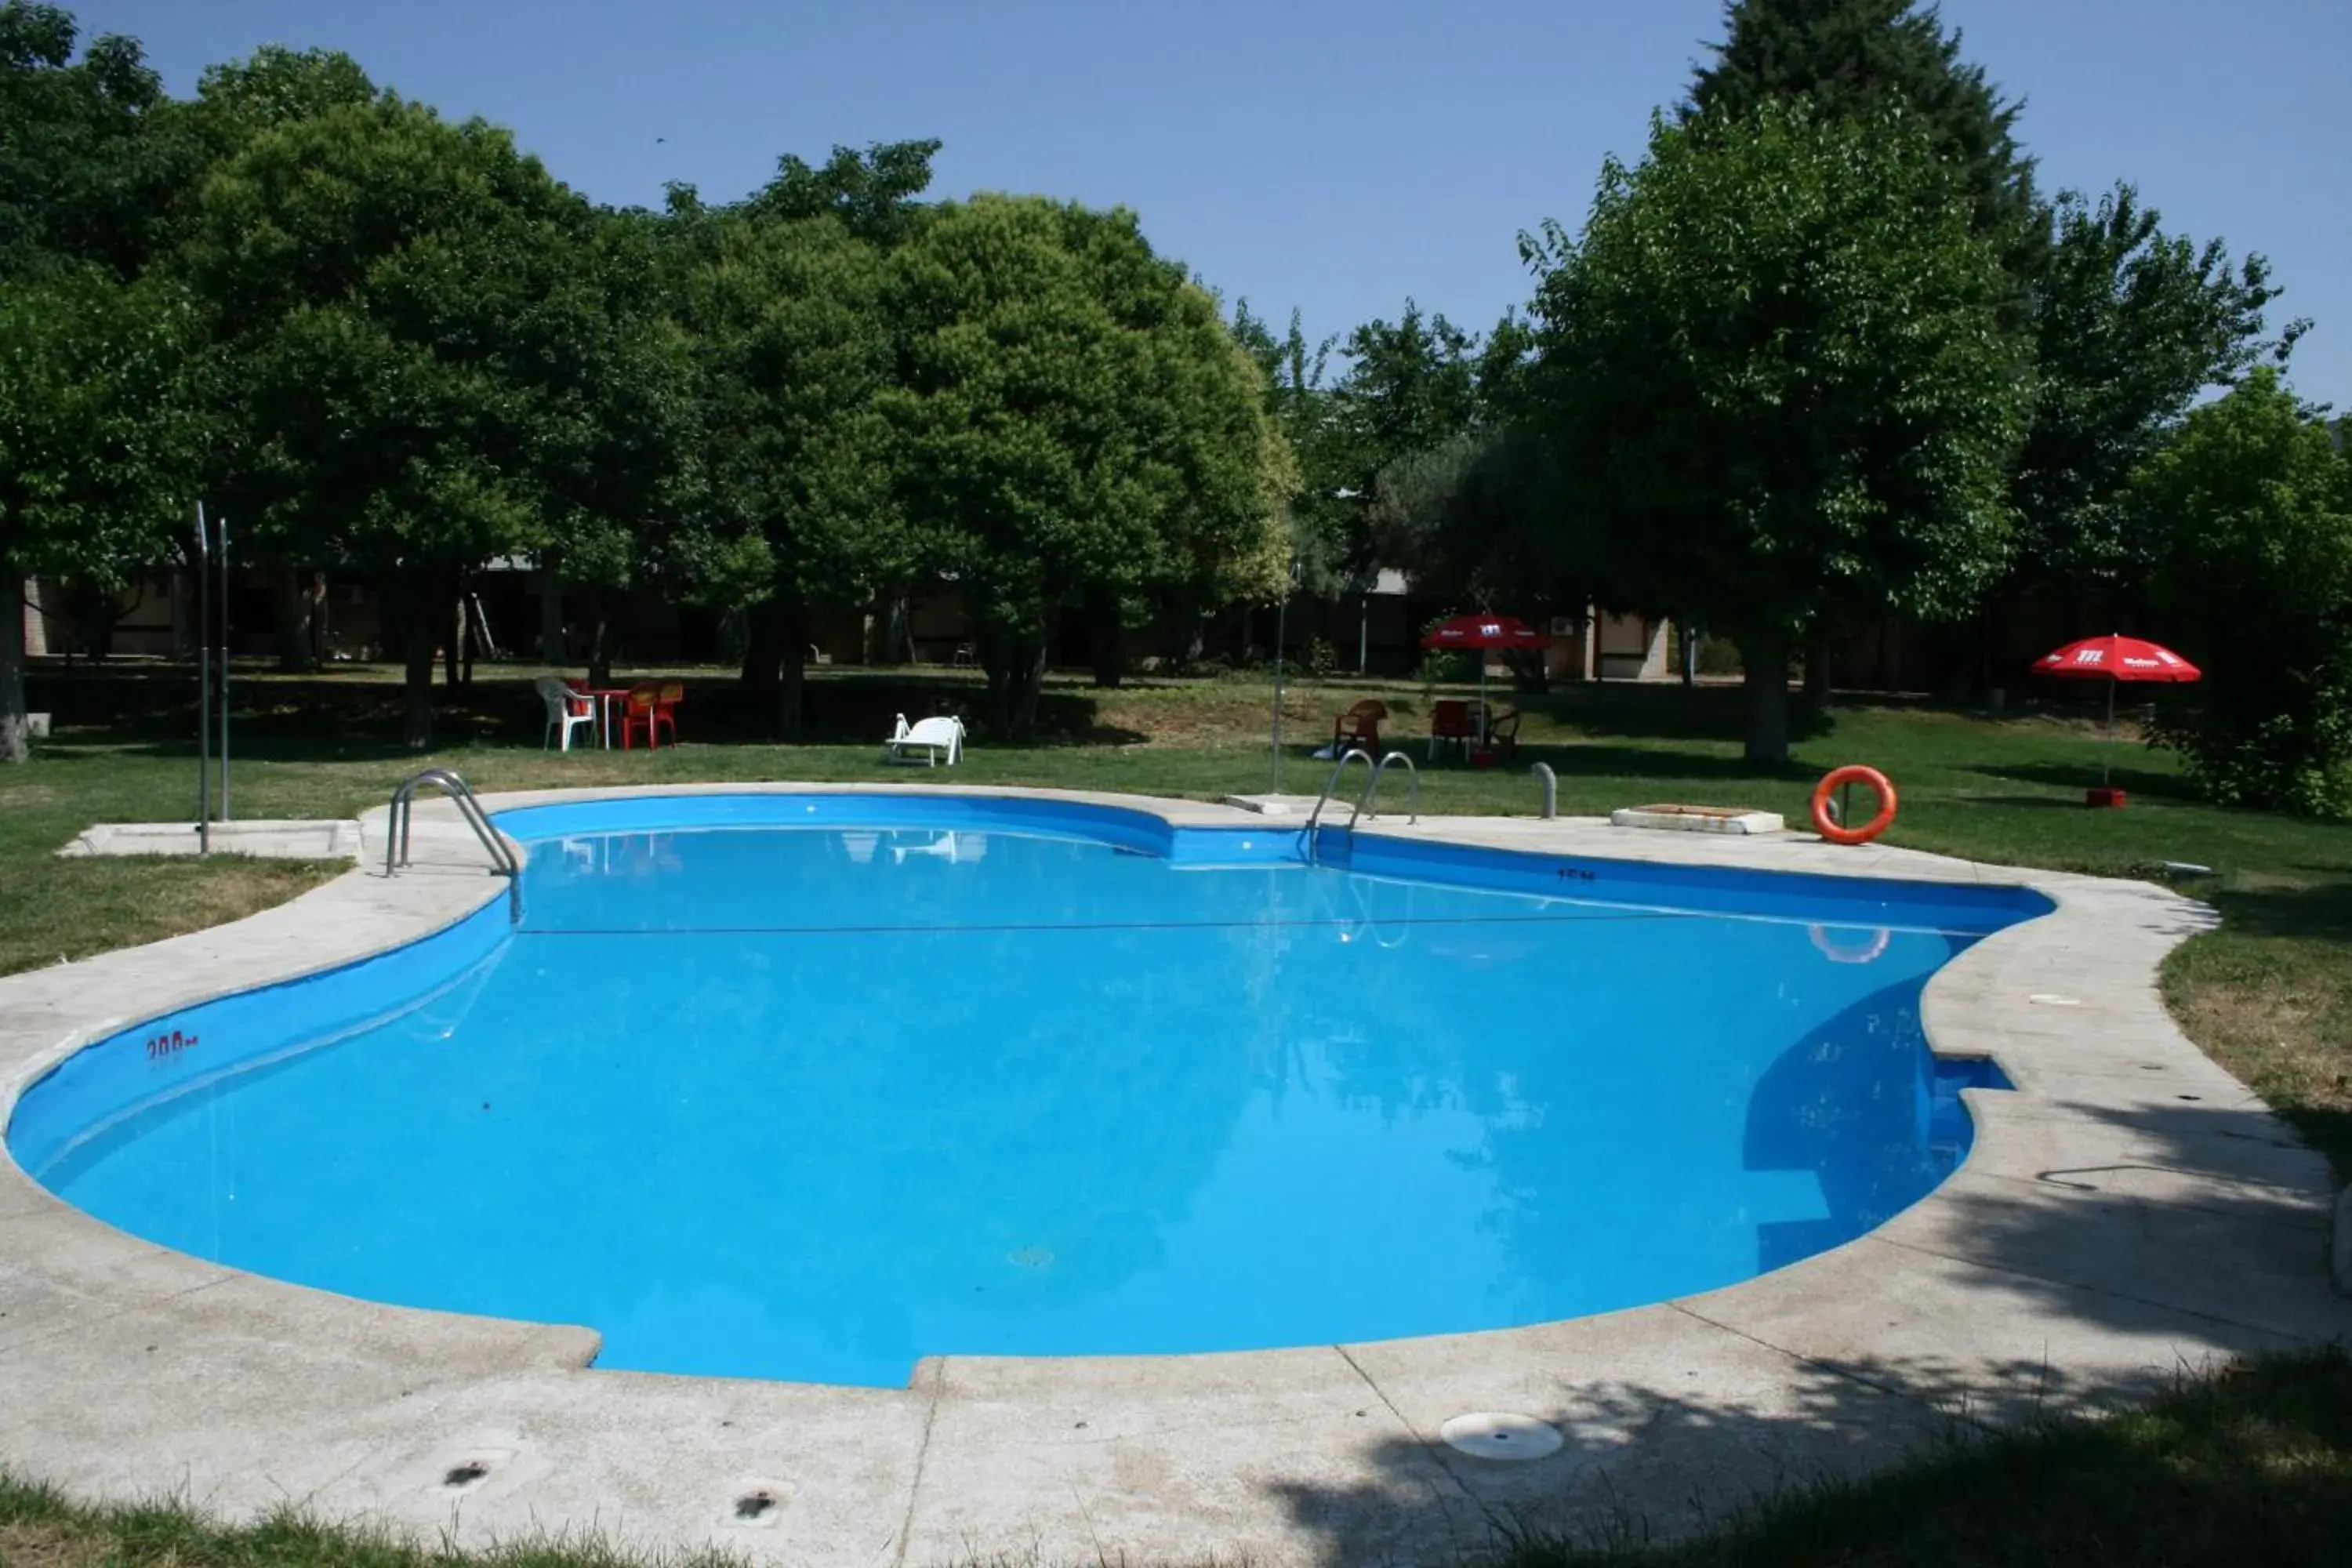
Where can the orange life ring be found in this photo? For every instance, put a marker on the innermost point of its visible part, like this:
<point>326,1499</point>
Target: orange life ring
<point>1852,773</point>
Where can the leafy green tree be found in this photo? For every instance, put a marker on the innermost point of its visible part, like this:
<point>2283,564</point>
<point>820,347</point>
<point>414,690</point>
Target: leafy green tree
<point>1410,386</point>
<point>2130,324</point>
<point>1866,58</point>
<point>97,442</point>
<point>410,327</point>
<point>88,167</point>
<point>1475,519</point>
<point>2252,506</point>
<point>236,101</point>
<point>1073,418</point>
<point>788,322</point>
<point>622,465</point>
<point>1298,402</point>
<point>1774,370</point>
<point>873,194</point>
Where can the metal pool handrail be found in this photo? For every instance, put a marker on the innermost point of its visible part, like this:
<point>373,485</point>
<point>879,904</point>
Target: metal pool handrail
<point>1350,755</point>
<point>404,815</point>
<point>1372,785</point>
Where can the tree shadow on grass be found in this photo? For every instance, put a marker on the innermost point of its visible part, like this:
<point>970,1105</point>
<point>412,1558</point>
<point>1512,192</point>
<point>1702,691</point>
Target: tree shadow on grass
<point>1646,711</point>
<point>294,719</point>
<point>1603,760</point>
<point>2171,1235</point>
<point>2324,911</point>
<point>2079,777</point>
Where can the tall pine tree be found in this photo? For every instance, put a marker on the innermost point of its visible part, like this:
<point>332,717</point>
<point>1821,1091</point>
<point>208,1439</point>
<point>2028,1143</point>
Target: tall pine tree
<point>1858,59</point>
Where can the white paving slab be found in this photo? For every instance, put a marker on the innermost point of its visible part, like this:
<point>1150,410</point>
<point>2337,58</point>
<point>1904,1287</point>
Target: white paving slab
<point>2130,1212</point>
<point>269,839</point>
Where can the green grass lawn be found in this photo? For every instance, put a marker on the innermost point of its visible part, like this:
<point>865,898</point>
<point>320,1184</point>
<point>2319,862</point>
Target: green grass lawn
<point>2254,1469</point>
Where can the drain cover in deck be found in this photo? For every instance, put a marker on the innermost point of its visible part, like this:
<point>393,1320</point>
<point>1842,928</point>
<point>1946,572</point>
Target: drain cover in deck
<point>1501,1434</point>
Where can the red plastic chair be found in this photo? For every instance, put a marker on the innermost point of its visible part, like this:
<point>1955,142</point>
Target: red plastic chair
<point>639,711</point>
<point>665,701</point>
<point>1452,723</point>
<point>1359,728</point>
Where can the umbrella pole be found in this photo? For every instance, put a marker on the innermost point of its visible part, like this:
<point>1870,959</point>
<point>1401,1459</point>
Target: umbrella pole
<point>2108,748</point>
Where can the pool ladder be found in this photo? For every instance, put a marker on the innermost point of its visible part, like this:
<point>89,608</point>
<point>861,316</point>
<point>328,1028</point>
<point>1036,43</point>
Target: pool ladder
<point>1371,788</point>
<point>404,812</point>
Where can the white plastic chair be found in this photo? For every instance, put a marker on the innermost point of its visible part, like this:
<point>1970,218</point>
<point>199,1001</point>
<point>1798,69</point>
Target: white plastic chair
<point>565,707</point>
<point>933,736</point>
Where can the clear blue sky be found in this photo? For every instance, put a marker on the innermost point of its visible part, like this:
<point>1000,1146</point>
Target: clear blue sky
<point>1335,156</point>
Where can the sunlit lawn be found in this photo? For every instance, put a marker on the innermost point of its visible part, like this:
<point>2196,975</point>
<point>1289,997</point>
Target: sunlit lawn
<point>2253,1469</point>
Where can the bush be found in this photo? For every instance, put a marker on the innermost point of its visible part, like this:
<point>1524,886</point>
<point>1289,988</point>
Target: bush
<point>1719,656</point>
<point>2252,504</point>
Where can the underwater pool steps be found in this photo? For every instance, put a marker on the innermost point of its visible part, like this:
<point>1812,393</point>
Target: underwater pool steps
<point>1371,788</point>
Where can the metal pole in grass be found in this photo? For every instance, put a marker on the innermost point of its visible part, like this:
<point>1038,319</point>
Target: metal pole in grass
<point>204,688</point>
<point>1281,626</point>
<point>222,526</point>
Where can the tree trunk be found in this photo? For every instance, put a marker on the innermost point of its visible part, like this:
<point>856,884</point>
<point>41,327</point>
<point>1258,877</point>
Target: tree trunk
<point>1766,657</point>
<point>894,630</point>
<point>16,738</point>
<point>296,613</point>
<point>792,688</point>
<point>1016,674</point>
<point>1105,636</point>
<point>1029,684</point>
<point>456,625</point>
<point>762,647</point>
<point>1819,652</point>
<point>424,605</point>
<point>600,642</point>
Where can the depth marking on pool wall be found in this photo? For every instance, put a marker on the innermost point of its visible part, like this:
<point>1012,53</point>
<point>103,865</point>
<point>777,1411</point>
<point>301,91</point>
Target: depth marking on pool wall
<point>163,1048</point>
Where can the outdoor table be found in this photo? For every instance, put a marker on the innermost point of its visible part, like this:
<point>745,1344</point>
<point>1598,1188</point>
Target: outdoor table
<point>604,697</point>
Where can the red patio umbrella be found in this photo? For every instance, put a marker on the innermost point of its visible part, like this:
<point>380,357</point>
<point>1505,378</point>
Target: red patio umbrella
<point>1484,631</point>
<point>2116,660</point>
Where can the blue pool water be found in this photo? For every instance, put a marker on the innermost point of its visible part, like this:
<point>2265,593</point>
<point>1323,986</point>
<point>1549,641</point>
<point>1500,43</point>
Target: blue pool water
<point>812,1087</point>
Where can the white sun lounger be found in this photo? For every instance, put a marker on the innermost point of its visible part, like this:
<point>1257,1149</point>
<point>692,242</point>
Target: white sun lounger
<point>933,736</point>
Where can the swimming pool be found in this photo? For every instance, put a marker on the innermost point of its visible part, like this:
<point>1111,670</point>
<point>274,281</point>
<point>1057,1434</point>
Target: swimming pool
<point>813,1086</point>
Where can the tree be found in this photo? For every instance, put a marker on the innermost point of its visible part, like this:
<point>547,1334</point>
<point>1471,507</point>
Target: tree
<point>405,309</point>
<point>2252,506</point>
<point>788,323</point>
<point>97,444</point>
<point>1775,377</point>
<point>621,464</point>
<point>1475,519</point>
<point>1073,419</point>
<point>88,169</point>
<point>873,192</point>
<point>2130,324</point>
<point>236,102</point>
<point>1410,386</point>
<point>1863,59</point>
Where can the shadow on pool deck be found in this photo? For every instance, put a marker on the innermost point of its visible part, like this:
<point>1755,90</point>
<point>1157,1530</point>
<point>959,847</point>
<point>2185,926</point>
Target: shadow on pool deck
<point>2051,1294</point>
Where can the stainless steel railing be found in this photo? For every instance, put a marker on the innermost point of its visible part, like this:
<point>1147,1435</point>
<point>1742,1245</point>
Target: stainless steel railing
<point>404,812</point>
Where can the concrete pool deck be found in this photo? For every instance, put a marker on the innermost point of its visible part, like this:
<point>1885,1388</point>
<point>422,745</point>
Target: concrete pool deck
<point>2128,1213</point>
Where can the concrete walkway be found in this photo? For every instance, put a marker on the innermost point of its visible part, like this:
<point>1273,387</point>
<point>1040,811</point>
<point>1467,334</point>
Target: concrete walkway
<point>2129,1212</point>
